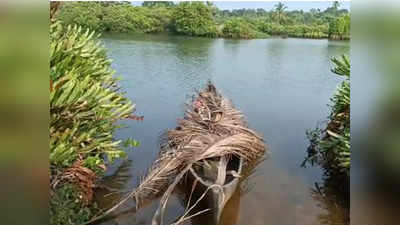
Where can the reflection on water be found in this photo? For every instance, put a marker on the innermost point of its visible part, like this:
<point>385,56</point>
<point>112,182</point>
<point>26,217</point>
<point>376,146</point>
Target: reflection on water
<point>282,86</point>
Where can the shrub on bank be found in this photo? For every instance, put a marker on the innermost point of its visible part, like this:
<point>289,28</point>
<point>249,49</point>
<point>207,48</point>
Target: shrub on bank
<point>115,17</point>
<point>238,28</point>
<point>194,19</point>
<point>85,103</point>
<point>271,28</point>
<point>339,28</point>
<point>331,147</point>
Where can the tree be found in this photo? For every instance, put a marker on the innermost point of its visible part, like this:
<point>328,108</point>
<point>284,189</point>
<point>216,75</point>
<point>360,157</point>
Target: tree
<point>280,11</point>
<point>336,5</point>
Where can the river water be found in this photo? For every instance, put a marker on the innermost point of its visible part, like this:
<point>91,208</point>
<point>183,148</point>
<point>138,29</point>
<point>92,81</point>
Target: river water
<point>282,86</point>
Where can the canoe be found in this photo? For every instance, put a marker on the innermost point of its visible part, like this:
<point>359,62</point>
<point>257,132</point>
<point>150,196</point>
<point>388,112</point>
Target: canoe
<point>223,172</point>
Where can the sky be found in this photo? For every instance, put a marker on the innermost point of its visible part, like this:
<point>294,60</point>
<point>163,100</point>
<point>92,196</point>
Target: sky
<point>268,5</point>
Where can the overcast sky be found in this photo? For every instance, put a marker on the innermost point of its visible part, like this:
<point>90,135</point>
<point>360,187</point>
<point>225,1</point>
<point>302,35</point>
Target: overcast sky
<point>292,5</point>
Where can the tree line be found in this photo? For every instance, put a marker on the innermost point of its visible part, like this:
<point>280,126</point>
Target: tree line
<point>205,19</point>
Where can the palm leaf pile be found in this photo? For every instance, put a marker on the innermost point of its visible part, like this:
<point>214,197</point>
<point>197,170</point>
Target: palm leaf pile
<point>332,151</point>
<point>210,128</point>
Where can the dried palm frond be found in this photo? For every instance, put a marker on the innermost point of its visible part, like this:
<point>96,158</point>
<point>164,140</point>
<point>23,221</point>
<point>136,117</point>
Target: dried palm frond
<point>211,128</point>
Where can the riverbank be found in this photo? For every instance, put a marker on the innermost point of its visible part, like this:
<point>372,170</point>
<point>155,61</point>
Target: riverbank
<point>206,20</point>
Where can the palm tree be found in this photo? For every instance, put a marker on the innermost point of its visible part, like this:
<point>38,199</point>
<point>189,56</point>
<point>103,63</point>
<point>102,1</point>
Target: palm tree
<point>280,11</point>
<point>336,5</point>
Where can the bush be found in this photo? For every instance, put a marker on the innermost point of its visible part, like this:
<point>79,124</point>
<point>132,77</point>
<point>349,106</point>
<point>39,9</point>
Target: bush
<point>84,106</point>
<point>85,14</point>
<point>331,147</point>
<point>239,28</point>
<point>271,28</point>
<point>194,19</point>
<point>339,28</point>
<point>115,17</point>
<point>306,31</point>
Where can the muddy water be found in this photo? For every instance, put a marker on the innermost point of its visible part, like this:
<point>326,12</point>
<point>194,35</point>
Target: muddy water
<point>282,86</point>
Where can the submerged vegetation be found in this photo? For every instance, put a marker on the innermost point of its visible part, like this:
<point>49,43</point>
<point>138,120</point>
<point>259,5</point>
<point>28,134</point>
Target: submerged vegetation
<point>85,103</point>
<point>205,19</point>
<point>330,147</point>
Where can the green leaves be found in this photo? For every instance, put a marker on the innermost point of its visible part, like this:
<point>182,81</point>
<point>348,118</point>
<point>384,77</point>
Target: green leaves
<point>331,147</point>
<point>129,143</point>
<point>239,28</point>
<point>194,19</point>
<point>84,101</point>
<point>342,66</point>
<point>85,105</point>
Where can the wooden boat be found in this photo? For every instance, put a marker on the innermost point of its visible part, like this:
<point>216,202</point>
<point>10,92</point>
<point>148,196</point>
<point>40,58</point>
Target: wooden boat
<point>219,179</point>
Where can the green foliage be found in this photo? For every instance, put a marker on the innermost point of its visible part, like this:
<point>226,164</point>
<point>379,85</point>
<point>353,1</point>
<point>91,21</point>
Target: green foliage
<point>123,19</point>
<point>85,14</point>
<point>271,28</point>
<point>115,17</point>
<point>157,3</point>
<point>280,12</point>
<point>66,209</point>
<point>194,19</point>
<point>339,28</point>
<point>84,101</point>
<point>305,31</point>
<point>84,106</point>
<point>331,147</point>
<point>238,28</point>
<point>205,19</point>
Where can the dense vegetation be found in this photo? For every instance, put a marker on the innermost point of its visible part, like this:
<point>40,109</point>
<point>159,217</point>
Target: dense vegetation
<point>194,18</point>
<point>205,19</point>
<point>84,105</point>
<point>330,147</point>
<point>238,28</point>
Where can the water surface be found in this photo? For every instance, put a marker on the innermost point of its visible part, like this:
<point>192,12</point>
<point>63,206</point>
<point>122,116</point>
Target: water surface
<point>282,86</point>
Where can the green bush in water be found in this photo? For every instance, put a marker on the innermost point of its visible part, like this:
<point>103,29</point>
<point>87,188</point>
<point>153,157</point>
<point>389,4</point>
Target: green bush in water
<point>331,147</point>
<point>85,105</point>
<point>194,19</point>
<point>238,28</point>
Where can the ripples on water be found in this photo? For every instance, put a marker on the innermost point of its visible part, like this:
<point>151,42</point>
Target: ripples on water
<point>282,86</point>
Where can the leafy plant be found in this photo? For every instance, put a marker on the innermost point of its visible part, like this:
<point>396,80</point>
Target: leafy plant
<point>331,147</point>
<point>239,28</point>
<point>194,19</point>
<point>85,104</point>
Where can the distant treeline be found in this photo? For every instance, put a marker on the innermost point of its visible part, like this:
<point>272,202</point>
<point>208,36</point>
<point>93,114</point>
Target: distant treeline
<point>205,19</point>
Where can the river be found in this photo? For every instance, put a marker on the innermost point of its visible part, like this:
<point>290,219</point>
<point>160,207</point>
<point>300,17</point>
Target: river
<point>282,86</point>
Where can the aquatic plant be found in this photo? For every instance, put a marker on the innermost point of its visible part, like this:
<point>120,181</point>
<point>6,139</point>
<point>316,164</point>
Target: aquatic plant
<point>85,104</point>
<point>331,147</point>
